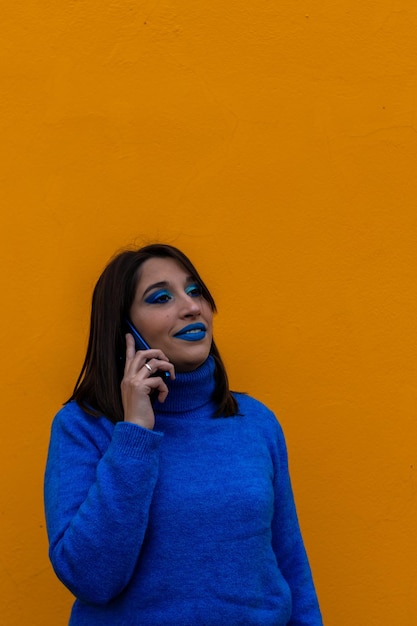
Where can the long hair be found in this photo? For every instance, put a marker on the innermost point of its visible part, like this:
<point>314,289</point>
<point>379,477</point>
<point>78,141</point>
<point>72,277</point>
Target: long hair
<point>97,389</point>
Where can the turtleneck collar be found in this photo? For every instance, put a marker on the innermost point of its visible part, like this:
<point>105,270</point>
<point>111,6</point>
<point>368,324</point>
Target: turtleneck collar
<point>190,390</point>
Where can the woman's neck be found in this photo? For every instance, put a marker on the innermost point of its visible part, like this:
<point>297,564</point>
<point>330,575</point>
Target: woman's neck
<point>190,390</point>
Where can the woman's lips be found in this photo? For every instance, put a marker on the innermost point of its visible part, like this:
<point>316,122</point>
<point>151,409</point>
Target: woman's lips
<point>192,332</point>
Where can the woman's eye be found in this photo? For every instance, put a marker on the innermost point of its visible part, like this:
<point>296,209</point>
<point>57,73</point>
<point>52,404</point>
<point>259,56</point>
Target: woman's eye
<point>159,297</point>
<point>194,291</point>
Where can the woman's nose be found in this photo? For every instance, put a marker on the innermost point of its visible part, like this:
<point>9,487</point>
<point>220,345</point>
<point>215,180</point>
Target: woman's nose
<point>191,306</point>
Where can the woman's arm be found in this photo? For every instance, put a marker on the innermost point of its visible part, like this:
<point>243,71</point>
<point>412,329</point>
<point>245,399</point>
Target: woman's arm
<point>99,484</point>
<point>289,547</point>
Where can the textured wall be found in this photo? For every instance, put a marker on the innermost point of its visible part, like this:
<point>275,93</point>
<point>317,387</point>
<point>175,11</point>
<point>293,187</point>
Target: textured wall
<point>275,142</point>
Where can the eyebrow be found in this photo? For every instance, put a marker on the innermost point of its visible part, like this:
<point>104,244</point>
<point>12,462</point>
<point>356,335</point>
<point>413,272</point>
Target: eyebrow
<point>164,283</point>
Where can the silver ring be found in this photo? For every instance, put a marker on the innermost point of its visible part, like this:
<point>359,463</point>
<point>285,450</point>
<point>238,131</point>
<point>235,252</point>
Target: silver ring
<point>148,367</point>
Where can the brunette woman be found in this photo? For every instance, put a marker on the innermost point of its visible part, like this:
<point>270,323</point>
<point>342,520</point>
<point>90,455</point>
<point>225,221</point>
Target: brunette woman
<point>168,497</point>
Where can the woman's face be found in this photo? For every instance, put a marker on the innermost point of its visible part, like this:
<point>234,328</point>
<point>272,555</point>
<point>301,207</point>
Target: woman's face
<point>171,314</point>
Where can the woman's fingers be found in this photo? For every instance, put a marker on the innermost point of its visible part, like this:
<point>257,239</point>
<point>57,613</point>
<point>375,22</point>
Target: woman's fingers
<point>154,384</point>
<point>130,348</point>
<point>141,379</point>
<point>155,359</point>
<point>155,367</point>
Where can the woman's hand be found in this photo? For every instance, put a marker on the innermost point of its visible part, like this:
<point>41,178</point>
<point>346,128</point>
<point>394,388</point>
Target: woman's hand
<point>137,383</point>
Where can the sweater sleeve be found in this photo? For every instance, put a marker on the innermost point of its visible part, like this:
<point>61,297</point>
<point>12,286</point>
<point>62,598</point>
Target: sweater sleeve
<point>99,483</point>
<point>289,547</point>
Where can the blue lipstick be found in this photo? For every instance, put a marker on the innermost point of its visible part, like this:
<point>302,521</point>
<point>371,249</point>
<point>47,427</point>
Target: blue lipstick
<point>192,332</point>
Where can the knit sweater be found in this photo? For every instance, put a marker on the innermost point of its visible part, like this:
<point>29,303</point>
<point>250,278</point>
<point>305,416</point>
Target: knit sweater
<point>190,524</point>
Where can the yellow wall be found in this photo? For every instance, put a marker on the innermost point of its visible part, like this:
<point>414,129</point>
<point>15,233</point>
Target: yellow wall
<point>275,142</point>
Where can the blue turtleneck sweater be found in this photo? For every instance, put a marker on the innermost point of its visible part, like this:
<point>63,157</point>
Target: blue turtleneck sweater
<point>190,524</point>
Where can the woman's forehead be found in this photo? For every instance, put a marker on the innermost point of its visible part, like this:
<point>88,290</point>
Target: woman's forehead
<point>162,269</point>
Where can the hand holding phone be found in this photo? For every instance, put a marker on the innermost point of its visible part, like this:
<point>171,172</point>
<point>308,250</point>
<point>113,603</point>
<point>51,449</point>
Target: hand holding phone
<point>141,344</point>
<point>141,384</point>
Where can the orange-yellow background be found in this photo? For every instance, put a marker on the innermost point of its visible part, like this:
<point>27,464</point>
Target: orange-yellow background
<point>275,142</point>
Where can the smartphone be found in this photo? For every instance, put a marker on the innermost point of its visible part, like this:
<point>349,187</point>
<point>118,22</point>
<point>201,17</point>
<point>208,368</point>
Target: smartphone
<point>140,344</point>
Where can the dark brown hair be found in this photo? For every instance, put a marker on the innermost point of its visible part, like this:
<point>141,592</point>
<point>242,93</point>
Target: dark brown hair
<point>97,389</point>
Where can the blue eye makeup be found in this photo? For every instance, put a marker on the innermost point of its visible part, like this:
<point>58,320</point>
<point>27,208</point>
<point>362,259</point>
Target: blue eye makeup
<point>158,297</point>
<point>162,296</point>
<point>193,290</point>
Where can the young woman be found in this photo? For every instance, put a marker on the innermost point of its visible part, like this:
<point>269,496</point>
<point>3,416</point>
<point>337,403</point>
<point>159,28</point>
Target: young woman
<point>168,498</point>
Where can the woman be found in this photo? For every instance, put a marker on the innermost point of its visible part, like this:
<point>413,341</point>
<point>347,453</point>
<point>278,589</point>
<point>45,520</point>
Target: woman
<point>168,498</point>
